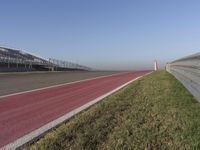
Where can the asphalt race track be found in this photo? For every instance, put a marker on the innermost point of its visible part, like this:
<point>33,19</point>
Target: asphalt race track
<point>19,82</point>
<point>20,114</point>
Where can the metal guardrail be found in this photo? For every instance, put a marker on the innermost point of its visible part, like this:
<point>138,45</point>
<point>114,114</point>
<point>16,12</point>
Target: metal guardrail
<point>187,71</point>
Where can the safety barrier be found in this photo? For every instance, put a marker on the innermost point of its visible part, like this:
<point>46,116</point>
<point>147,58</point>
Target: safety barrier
<point>187,71</point>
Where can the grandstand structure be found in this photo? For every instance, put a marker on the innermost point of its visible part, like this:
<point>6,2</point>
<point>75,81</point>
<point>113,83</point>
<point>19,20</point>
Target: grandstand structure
<point>60,64</point>
<point>12,60</point>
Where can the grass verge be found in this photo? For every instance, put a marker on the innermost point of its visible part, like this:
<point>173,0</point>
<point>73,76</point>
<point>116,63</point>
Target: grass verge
<point>154,112</point>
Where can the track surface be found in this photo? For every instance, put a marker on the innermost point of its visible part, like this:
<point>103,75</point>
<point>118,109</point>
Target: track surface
<point>20,82</point>
<point>23,113</point>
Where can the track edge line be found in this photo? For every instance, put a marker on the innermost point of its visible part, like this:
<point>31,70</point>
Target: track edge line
<point>59,85</point>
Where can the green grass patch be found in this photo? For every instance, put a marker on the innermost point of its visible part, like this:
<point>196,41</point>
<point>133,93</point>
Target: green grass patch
<point>154,112</point>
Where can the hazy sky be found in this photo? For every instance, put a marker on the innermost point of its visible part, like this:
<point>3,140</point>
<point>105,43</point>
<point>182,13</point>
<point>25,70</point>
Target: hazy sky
<point>104,34</point>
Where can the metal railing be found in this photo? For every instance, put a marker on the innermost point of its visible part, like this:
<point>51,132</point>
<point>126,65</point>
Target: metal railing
<point>19,57</point>
<point>187,71</point>
<point>9,56</point>
<point>67,64</point>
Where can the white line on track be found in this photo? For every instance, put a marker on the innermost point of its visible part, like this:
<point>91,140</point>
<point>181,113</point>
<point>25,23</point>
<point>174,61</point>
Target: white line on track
<point>57,85</point>
<point>30,136</point>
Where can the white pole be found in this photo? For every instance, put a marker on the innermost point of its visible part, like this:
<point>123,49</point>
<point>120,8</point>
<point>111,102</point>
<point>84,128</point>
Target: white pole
<point>155,66</point>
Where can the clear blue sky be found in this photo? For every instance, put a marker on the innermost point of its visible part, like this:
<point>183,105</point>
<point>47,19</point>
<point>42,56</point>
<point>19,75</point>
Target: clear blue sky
<point>104,34</point>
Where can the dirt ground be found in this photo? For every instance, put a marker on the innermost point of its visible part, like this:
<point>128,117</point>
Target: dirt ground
<point>13,83</point>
